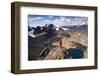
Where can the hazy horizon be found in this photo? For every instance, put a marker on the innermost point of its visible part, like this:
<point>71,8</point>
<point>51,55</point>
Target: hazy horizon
<point>58,21</point>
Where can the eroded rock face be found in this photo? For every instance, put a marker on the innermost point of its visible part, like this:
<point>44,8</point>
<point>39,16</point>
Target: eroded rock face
<point>77,41</point>
<point>56,53</point>
<point>50,48</point>
<point>75,51</point>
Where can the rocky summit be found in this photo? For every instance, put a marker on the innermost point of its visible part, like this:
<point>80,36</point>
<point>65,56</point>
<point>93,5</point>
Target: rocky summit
<point>61,44</point>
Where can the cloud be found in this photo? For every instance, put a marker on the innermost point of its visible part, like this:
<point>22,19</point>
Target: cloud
<point>56,20</point>
<point>77,21</point>
<point>62,21</point>
<point>38,23</point>
<point>35,18</point>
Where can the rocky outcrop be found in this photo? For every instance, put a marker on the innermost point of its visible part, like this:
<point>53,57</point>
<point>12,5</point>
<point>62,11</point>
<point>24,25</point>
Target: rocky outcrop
<point>48,48</point>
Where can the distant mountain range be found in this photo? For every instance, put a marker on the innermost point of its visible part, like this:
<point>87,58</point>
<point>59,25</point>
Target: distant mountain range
<point>76,27</point>
<point>85,26</point>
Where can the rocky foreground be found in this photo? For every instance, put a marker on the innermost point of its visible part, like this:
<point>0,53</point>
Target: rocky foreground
<point>43,48</point>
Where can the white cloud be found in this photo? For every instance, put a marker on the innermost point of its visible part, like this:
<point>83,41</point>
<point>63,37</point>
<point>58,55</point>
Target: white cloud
<point>38,23</point>
<point>35,19</point>
<point>59,22</point>
<point>62,21</point>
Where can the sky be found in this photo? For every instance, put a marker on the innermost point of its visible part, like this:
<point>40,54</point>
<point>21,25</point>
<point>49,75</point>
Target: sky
<point>58,21</point>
